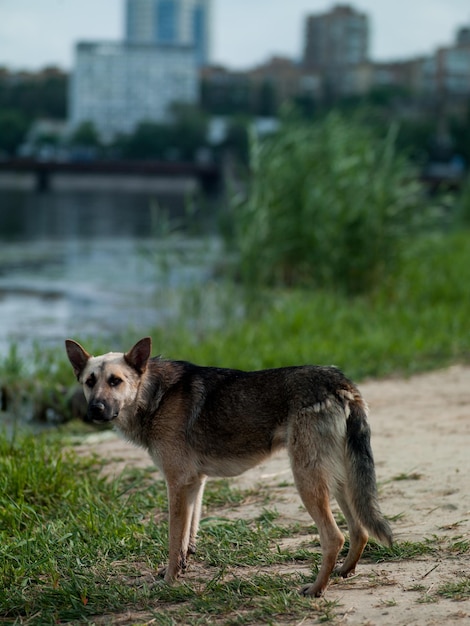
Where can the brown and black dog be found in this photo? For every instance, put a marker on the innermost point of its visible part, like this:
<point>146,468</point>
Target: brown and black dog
<point>197,422</point>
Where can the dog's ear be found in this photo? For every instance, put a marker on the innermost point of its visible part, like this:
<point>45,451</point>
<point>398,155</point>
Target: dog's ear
<point>139,354</point>
<point>78,356</point>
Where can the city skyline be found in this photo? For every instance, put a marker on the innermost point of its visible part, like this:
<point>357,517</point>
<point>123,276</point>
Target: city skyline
<point>399,30</point>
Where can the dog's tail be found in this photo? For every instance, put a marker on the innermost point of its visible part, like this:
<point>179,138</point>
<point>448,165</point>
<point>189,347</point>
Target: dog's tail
<point>362,485</point>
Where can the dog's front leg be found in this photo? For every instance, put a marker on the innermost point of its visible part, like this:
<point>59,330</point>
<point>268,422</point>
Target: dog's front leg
<point>180,519</point>
<point>185,504</point>
<point>196,513</point>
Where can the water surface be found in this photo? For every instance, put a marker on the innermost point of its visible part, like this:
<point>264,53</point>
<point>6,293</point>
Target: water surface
<point>85,263</point>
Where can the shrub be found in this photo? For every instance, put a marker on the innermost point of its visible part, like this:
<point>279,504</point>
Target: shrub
<point>329,204</point>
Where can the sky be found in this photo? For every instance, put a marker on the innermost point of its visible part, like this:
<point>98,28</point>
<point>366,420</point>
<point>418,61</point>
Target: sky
<point>38,33</point>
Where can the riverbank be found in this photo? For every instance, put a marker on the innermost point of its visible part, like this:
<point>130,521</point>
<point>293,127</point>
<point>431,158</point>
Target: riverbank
<point>89,529</point>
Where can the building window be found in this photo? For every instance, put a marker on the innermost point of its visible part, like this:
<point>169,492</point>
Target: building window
<point>167,21</point>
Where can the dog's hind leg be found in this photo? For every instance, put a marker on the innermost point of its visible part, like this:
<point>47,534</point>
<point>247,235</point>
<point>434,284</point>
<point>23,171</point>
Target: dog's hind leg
<point>183,499</point>
<point>196,516</point>
<point>357,535</point>
<point>316,497</point>
<point>315,442</point>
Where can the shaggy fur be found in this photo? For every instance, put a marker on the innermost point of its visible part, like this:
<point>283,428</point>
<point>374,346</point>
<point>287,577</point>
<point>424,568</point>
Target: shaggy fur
<point>197,422</point>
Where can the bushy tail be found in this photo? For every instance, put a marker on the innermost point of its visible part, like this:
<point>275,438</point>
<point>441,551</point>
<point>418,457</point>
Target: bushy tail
<point>362,485</point>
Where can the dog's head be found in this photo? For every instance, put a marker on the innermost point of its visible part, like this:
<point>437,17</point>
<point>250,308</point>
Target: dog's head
<point>110,381</point>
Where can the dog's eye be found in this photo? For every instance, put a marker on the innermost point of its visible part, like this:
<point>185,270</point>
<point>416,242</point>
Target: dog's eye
<point>114,381</point>
<point>90,381</point>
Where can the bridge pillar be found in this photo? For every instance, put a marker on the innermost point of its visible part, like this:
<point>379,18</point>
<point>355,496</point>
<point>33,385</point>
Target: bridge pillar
<point>43,180</point>
<point>211,182</point>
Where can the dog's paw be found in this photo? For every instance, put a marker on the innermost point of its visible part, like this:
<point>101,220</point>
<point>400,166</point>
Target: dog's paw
<point>344,572</point>
<point>159,584</point>
<point>313,590</point>
<point>168,577</point>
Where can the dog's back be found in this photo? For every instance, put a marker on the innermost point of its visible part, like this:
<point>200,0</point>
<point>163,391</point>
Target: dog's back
<point>234,414</point>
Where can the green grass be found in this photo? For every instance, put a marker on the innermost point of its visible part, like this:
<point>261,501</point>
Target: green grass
<point>62,526</point>
<point>400,551</point>
<point>74,545</point>
<point>459,590</point>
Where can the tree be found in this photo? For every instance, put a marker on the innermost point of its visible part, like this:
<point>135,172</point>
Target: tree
<point>13,129</point>
<point>86,135</point>
<point>179,139</point>
<point>35,95</point>
<point>189,130</point>
<point>149,141</point>
<point>460,131</point>
<point>237,140</point>
<point>267,99</point>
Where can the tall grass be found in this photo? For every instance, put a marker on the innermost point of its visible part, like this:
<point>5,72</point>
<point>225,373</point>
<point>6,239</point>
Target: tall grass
<point>416,319</point>
<point>329,204</point>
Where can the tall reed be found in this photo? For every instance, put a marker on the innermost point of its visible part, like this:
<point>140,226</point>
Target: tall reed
<point>329,204</point>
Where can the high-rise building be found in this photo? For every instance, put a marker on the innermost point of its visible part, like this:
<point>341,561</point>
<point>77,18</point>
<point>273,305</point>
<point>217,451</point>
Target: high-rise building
<point>116,85</point>
<point>179,22</point>
<point>335,42</point>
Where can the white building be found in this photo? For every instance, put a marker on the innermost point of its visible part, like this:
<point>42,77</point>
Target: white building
<point>177,22</point>
<point>116,85</point>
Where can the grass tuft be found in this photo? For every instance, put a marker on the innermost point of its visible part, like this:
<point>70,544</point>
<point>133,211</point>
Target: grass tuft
<point>399,551</point>
<point>408,476</point>
<point>458,591</point>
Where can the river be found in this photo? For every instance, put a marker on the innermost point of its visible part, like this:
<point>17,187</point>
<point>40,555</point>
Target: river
<point>79,263</point>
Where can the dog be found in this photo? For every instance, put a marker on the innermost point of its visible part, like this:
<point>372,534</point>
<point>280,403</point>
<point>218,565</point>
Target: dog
<point>197,422</point>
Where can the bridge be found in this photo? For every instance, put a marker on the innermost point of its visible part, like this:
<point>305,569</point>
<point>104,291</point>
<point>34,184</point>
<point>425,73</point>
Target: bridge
<point>209,175</point>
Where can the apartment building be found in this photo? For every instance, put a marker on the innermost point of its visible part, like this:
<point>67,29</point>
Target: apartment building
<point>172,22</point>
<point>452,71</point>
<point>117,85</point>
<point>288,79</point>
<point>260,91</point>
<point>336,48</point>
<point>335,42</point>
<point>442,77</point>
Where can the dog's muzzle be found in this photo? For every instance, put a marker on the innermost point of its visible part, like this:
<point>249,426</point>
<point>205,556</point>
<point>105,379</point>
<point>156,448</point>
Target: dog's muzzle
<point>98,412</point>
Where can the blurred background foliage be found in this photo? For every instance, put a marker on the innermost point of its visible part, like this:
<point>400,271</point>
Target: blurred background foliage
<point>331,204</point>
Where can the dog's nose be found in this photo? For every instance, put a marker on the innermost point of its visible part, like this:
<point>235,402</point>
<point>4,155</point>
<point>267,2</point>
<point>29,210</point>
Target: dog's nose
<point>96,410</point>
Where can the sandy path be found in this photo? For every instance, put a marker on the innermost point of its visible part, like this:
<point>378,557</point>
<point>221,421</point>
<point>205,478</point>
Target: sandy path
<point>421,442</point>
